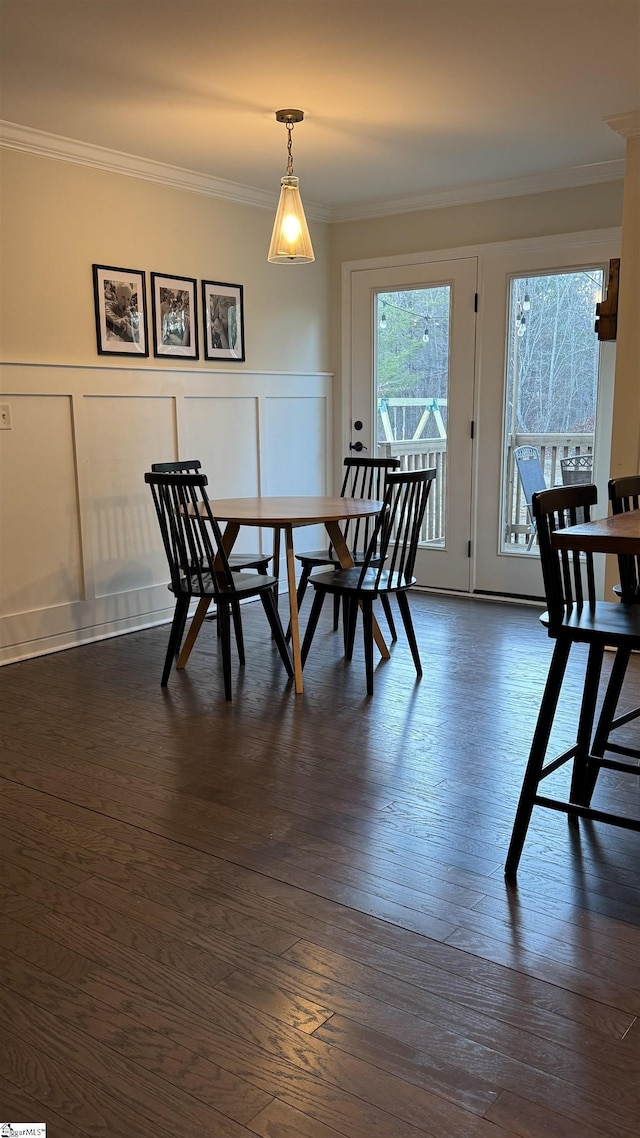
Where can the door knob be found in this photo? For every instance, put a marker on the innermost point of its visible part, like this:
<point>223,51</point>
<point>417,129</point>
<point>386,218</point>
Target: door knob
<point>357,446</point>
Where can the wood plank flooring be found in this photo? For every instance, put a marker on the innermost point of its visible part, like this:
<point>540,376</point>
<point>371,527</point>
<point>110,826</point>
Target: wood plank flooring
<point>286,916</point>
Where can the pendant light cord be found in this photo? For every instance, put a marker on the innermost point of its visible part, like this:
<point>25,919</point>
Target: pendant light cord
<point>289,152</point>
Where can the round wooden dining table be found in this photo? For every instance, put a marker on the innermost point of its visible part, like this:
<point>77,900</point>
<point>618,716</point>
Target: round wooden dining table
<point>283,515</point>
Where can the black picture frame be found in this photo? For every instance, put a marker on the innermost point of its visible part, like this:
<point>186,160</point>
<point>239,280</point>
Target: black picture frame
<point>121,311</point>
<point>223,309</point>
<point>174,308</point>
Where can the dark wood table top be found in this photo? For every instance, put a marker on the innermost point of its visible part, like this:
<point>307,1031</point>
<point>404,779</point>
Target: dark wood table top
<point>617,534</point>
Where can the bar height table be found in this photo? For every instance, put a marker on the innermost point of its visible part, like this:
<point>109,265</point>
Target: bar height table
<point>618,534</point>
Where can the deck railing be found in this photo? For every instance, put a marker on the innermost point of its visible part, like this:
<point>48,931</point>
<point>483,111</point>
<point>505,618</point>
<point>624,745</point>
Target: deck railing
<point>420,454</point>
<point>553,448</point>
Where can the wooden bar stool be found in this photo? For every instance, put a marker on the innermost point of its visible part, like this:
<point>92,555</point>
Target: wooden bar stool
<point>574,616</point>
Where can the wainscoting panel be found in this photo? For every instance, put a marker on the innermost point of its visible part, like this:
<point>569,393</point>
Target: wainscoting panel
<point>295,450</point>
<point>127,433</point>
<point>223,434</point>
<point>81,556</point>
<point>39,524</point>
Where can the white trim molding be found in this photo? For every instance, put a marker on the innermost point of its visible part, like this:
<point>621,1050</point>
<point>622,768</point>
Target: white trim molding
<point>13,136</point>
<point>626,124</point>
<point>486,191</point>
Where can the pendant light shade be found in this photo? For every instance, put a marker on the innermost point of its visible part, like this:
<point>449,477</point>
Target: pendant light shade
<point>290,240</point>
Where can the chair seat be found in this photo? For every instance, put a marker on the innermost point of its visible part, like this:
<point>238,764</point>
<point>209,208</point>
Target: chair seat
<point>245,585</point>
<point>631,597</point>
<point>373,582</point>
<point>257,561</point>
<point>319,557</point>
<point>328,557</point>
<point>606,620</point>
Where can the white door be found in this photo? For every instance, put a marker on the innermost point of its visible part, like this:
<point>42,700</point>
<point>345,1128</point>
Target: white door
<point>412,394</point>
<point>545,383</point>
<point>538,377</point>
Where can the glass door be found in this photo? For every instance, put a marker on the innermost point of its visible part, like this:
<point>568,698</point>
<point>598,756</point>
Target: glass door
<point>412,391</point>
<point>551,422</point>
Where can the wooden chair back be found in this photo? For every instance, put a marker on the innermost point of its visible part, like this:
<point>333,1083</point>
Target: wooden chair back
<point>567,574</point>
<point>191,536</point>
<point>394,542</point>
<point>624,495</point>
<point>186,466</point>
<point>364,478</point>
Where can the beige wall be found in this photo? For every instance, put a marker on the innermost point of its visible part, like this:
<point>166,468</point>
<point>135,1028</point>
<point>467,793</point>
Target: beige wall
<point>81,555</point>
<point>626,435</point>
<point>58,218</point>
<point>506,219</point>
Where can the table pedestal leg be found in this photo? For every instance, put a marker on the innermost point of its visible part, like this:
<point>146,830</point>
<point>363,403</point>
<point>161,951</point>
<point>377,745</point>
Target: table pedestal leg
<point>293,608</point>
<point>194,628</point>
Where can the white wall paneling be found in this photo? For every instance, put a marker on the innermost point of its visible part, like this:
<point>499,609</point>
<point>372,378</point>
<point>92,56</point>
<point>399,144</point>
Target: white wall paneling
<point>297,453</point>
<point>81,551</point>
<point>39,526</point>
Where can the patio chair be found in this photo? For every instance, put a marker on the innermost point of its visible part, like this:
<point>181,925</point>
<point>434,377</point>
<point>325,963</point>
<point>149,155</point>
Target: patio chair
<point>576,469</point>
<point>532,480</point>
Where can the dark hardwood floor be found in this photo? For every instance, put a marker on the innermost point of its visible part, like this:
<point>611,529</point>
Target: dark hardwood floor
<point>286,916</point>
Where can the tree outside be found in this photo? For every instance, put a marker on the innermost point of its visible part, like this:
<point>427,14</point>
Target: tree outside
<point>553,353</point>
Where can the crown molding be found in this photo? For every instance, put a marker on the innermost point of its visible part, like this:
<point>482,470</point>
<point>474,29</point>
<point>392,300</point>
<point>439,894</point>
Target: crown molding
<point>627,124</point>
<point>13,136</point>
<point>487,191</point>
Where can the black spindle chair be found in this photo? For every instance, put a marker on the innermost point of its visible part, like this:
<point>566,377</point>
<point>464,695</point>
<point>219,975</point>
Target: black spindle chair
<point>387,568</point>
<point>237,561</point>
<point>199,567</point>
<point>363,478</point>
<point>574,616</point>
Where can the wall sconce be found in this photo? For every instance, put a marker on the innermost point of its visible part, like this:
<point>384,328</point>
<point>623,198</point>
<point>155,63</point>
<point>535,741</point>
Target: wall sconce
<point>290,240</point>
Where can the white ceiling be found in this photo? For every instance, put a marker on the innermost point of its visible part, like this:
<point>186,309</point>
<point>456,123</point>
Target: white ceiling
<point>402,98</point>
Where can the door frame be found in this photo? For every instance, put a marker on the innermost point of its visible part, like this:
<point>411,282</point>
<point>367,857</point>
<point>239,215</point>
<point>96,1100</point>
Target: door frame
<point>555,244</point>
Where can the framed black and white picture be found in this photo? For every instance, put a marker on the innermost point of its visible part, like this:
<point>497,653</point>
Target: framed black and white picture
<point>121,314</point>
<point>223,321</point>
<point>174,316</point>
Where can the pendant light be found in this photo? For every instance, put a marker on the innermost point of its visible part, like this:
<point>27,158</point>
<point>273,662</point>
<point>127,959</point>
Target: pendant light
<point>290,240</point>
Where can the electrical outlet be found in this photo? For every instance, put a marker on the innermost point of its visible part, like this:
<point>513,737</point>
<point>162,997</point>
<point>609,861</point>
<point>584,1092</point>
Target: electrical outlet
<point>5,416</point>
